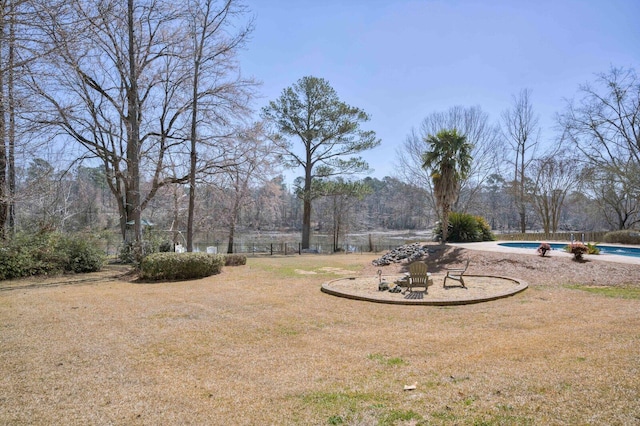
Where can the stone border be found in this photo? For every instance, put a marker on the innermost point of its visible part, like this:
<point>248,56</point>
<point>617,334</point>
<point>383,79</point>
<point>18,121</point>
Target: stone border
<point>519,287</point>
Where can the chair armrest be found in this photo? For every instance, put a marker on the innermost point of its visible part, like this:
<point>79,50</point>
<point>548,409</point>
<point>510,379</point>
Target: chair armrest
<point>456,270</point>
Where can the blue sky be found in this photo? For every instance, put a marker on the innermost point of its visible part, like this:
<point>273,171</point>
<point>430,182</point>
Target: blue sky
<point>402,60</point>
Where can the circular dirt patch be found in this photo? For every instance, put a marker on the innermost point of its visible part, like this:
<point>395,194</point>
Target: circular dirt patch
<point>479,288</point>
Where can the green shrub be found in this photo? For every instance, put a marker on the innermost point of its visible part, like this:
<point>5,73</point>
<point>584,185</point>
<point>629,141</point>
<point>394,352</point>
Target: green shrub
<point>180,266</point>
<point>593,248</point>
<point>14,263</point>
<point>485,229</point>
<point>464,227</point>
<point>46,253</point>
<point>235,260</point>
<point>80,253</point>
<point>626,236</point>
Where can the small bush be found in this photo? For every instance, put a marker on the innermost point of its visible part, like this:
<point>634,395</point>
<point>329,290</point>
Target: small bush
<point>578,249</point>
<point>485,229</point>
<point>180,266</point>
<point>80,253</point>
<point>464,227</point>
<point>593,248</point>
<point>235,260</point>
<point>627,236</point>
<point>14,263</point>
<point>544,248</point>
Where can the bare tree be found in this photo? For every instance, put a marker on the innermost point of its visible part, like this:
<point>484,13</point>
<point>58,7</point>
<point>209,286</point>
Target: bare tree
<point>102,88</point>
<point>270,208</point>
<point>496,202</point>
<point>341,197</point>
<point>409,164</point>
<point>555,176</point>
<point>615,196</point>
<point>216,84</point>
<point>521,131</point>
<point>255,163</point>
<point>20,45</point>
<point>125,88</point>
<point>604,125</point>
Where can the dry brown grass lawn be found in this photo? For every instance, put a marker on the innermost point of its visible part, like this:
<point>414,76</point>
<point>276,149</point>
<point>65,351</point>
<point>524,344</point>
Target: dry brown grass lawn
<point>261,345</point>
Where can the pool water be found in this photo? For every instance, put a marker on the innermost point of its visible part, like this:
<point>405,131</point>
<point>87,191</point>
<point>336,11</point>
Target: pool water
<point>622,251</point>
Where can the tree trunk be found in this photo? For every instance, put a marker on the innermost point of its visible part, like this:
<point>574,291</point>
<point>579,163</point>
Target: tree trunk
<point>521,203</point>
<point>306,209</point>
<point>193,156</point>
<point>3,140</point>
<point>11,166</point>
<point>336,225</point>
<point>306,223</point>
<point>133,141</point>
<point>445,223</point>
<point>235,213</point>
<point>232,232</point>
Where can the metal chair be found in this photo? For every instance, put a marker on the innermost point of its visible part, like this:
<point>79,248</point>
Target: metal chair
<point>456,274</point>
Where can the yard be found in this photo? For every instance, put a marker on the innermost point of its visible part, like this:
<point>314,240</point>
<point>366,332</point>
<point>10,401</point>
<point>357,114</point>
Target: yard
<point>260,344</point>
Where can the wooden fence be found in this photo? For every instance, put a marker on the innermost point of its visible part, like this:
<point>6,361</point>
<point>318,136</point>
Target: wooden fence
<point>593,237</point>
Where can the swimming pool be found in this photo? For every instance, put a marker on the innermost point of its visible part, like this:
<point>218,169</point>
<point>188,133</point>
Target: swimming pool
<point>622,251</point>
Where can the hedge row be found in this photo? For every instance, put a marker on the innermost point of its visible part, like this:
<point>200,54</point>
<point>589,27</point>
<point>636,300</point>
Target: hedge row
<point>627,236</point>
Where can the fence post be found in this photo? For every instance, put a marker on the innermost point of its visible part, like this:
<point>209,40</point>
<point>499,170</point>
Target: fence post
<point>271,249</point>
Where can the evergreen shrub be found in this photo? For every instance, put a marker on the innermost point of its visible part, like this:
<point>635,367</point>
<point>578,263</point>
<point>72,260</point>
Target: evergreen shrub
<point>235,260</point>
<point>49,253</point>
<point>465,228</point>
<point>80,253</point>
<point>180,266</point>
<point>625,236</point>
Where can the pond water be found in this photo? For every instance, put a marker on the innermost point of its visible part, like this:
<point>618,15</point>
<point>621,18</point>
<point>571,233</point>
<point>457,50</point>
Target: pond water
<point>608,249</point>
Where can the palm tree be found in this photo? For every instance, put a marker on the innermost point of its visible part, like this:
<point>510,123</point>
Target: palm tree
<point>449,159</point>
